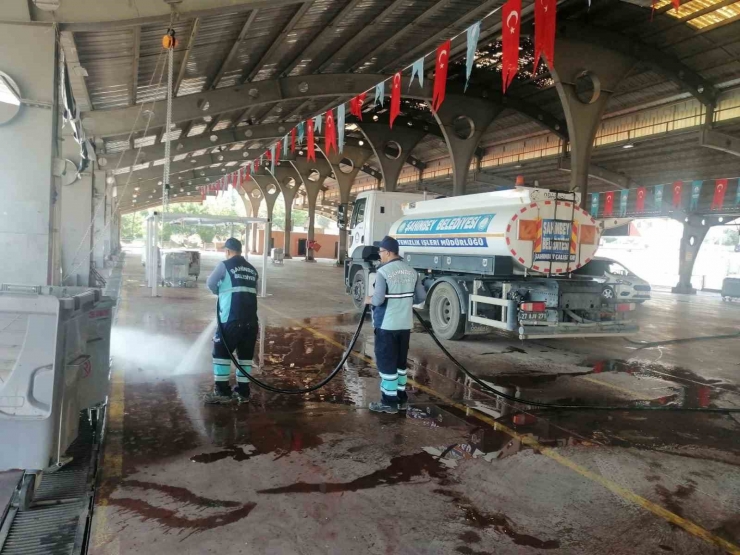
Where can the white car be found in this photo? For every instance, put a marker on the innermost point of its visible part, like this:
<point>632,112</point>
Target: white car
<point>618,283</point>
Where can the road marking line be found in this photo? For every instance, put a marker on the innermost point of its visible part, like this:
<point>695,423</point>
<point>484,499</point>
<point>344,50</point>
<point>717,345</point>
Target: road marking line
<point>690,527</point>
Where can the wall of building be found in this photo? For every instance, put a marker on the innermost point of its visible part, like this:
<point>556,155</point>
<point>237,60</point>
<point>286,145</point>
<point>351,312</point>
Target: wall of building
<point>329,243</point>
<point>27,54</point>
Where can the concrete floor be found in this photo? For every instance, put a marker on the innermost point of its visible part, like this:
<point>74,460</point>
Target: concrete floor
<point>461,473</point>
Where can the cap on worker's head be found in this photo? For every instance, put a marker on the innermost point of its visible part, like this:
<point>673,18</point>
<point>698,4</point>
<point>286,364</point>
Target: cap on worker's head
<point>233,244</point>
<point>390,244</point>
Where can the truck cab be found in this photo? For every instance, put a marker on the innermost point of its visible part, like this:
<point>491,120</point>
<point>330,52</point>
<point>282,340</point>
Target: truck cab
<point>373,214</point>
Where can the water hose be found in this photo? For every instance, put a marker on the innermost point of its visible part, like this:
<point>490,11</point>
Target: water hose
<point>300,391</point>
<point>483,385</point>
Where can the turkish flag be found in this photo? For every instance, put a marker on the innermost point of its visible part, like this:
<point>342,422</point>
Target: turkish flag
<point>395,97</point>
<point>511,24</point>
<point>640,204</point>
<point>440,75</point>
<point>720,186</point>
<point>609,203</point>
<point>330,140</point>
<point>355,105</point>
<point>677,188</point>
<point>256,164</point>
<point>676,4</point>
<point>544,31</point>
<point>202,194</point>
<point>292,139</point>
<point>311,146</point>
<point>277,154</point>
<point>247,171</point>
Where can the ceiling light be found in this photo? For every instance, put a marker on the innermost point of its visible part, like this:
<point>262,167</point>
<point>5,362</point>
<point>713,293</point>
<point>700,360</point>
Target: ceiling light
<point>628,145</point>
<point>375,118</point>
<point>361,142</point>
<point>136,188</point>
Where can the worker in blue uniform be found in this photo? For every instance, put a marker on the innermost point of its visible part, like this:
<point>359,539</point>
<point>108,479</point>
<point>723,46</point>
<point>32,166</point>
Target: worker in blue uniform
<point>235,282</point>
<point>397,288</point>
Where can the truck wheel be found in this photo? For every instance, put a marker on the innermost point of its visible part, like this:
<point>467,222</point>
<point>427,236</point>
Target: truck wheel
<point>358,290</point>
<point>445,314</point>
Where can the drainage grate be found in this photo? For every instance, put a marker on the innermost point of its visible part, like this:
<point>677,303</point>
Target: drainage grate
<point>58,518</point>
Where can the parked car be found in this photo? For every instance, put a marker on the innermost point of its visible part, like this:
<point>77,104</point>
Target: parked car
<point>618,283</point>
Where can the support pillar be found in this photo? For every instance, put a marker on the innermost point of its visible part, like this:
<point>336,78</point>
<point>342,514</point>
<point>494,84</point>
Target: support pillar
<point>585,77</point>
<point>270,191</point>
<point>346,166</point>
<point>251,196</point>
<point>289,181</point>
<point>693,236</point>
<point>28,190</point>
<point>391,147</point>
<point>319,170</point>
<point>464,120</point>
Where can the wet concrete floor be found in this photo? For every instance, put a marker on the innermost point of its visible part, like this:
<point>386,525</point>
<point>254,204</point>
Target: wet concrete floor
<point>462,472</point>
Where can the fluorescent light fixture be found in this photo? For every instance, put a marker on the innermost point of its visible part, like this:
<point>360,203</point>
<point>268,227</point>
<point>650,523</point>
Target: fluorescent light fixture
<point>628,145</point>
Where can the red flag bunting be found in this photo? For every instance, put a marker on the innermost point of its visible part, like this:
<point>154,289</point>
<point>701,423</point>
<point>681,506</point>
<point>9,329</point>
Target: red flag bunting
<point>277,154</point>
<point>292,139</point>
<point>609,204</point>
<point>395,97</point>
<point>247,171</point>
<point>544,31</point>
<point>331,133</point>
<point>355,105</point>
<point>677,188</point>
<point>676,4</point>
<point>202,194</point>
<point>720,186</point>
<point>640,204</point>
<point>256,164</point>
<point>311,147</point>
<point>440,75</point>
<point>511,15</point>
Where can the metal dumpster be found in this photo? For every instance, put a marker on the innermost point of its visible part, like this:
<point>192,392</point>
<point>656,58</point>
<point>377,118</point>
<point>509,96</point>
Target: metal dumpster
<point>44,356</point>
<point>731,288</point>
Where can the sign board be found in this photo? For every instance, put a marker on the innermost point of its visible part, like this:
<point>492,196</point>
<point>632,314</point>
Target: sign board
<point>555,241</point>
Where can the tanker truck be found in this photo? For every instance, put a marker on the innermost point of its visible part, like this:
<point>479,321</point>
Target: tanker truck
<point>491,261</point>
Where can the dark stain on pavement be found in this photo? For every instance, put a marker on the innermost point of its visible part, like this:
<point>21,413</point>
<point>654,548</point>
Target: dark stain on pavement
<point>235,452</point>
<point>672,499</point>
<point>169,518</point>
<point>403,469</point>
<point>498,521</point>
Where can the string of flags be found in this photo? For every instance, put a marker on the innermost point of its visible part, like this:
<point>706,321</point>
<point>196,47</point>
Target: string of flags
<point>655,199</point>
<point>334,120</point>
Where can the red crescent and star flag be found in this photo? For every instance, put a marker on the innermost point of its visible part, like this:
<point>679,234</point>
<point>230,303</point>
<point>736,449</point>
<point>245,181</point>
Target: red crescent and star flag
<point>720,187</point>
<point>311,155</point>
<point>331,133</point>
<point>395,97</point>
<point>511,15</point>
<point>292,139</point>
<point>677,189</point>
<point>440,75</point>
<point>609,203</point>
<point>640,203</point>
<point>544,32</point>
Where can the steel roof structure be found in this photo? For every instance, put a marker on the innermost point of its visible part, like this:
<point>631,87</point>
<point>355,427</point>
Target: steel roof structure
<point>247,71</point>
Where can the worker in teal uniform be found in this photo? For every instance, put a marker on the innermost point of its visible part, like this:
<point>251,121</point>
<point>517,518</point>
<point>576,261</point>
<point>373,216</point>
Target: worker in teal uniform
<point>397,288</point>
<point>235,282</point>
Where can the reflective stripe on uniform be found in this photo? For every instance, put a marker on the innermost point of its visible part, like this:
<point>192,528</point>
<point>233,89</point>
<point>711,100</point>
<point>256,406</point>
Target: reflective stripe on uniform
<point>400,296</point>
<point>224,361</point>
<point>238,290</point>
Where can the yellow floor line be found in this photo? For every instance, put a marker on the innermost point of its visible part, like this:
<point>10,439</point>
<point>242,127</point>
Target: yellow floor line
<point>626,494</point>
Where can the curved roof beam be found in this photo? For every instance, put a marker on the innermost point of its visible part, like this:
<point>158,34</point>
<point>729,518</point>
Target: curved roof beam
<point>120,121</point>
<point>662,62</point>
<point>112,15</point>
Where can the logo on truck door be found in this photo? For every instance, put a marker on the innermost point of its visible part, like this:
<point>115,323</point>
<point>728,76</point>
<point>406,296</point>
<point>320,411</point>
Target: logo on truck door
<point>462,231</point>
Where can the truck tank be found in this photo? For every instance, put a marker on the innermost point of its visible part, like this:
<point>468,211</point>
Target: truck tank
<point>540,232</point>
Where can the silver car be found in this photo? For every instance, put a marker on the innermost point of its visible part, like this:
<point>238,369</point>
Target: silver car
<point>618,283</point>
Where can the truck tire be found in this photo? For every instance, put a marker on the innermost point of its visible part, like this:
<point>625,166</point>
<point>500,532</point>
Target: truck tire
<point>358,290</point>
<point>448,322</point>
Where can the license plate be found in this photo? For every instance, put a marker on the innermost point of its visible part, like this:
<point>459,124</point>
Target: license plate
<point>533,316</point>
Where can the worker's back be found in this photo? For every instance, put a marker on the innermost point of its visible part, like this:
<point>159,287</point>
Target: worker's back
<point>237,290</point>
<point>396,312</point>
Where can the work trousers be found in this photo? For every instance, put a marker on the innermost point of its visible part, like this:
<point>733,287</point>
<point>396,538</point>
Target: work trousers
<point>241,336</point>
<point>391,354</point>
